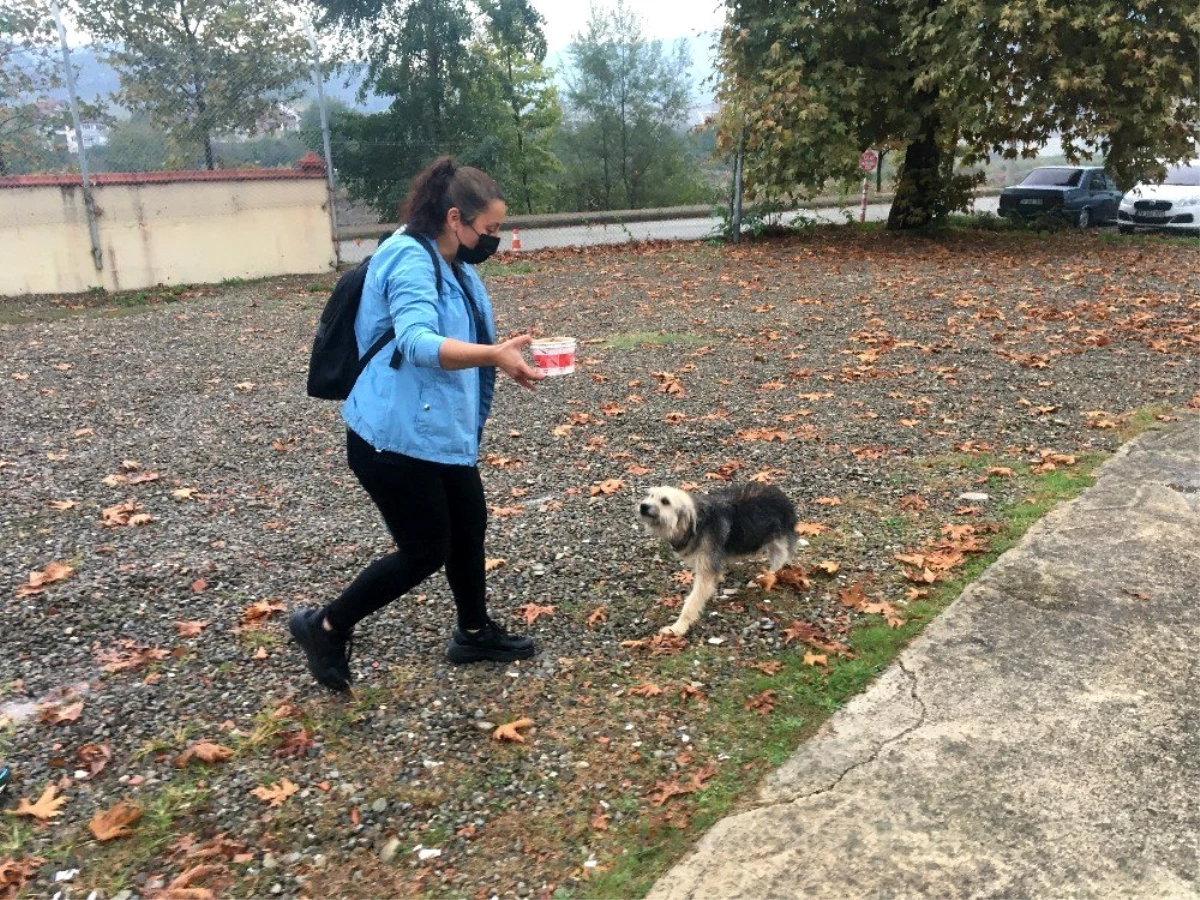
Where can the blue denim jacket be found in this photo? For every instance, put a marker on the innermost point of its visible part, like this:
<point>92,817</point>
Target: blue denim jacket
<point>419,409</point>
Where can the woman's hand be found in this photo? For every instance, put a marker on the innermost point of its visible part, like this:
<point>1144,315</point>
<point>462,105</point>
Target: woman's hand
<point>509,358</point>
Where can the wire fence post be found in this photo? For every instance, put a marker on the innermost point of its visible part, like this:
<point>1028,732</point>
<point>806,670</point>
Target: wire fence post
<point>735,214</point>
<point>319,80</point>
<point>89,202</point>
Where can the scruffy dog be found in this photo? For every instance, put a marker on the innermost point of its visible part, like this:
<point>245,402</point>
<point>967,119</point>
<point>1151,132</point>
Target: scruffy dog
<point>706,530</point>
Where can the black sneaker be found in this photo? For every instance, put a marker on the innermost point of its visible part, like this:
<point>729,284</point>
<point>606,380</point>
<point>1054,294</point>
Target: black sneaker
<point>328,652</point>
<point>490,642</point>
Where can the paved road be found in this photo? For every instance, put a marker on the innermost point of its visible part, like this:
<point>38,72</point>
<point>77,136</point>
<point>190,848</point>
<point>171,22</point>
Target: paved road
<point>668,229</point>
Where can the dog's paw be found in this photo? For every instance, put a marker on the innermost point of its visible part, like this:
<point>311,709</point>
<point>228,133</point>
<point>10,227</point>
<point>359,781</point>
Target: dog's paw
<point>677,630</point>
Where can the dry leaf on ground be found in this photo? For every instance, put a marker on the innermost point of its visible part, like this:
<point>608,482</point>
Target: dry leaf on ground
<point>94,757</point>
<point>54,714</point>
<point>190,629</point>
<point>531,612</point>
<point>116,822</point>
<point>205,752</point>
<point>608,486</point>
<point>275,794</point>
<point>14,873</point>
<point>510,731</point>
<point>47,806</point>
<point>646,690</point>
<point>259,611</point>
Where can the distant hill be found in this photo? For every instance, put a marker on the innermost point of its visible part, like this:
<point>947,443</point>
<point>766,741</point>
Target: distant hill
<point>95,81</point>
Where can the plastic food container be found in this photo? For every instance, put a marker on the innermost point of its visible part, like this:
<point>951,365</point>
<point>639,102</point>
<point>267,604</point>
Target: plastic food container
<point>554,356</point>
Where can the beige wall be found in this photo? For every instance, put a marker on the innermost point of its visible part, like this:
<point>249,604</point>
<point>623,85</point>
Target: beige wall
<point>183,232</point>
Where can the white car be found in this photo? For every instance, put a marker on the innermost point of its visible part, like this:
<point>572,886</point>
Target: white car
<point>1172,204</point>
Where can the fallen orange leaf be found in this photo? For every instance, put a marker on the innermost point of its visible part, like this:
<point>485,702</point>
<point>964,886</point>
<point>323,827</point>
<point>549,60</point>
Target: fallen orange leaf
<point>47,806</point>
<point>510,731</point>
<point>204,751</point>
<point>116,822</point>
<point>531,612</point>
<point>275,794</point>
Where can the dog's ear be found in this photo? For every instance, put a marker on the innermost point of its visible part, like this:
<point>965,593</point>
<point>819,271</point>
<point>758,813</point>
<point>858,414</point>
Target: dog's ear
<point>685,517</point>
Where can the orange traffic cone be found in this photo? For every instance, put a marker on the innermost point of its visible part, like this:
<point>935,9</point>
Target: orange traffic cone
<point>516,241</point>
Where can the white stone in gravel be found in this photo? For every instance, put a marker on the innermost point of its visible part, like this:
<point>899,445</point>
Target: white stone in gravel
<point>269,862</point>
<point>379,806</point>
<point>484,725</point>
<point>390,849</point>
<point>716,641</point>
<point>424,853</point>
<point>974,497</point>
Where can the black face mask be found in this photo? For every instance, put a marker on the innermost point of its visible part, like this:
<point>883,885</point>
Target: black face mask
<point>484,247</point>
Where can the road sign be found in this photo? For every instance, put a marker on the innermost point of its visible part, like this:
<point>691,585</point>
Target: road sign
<point>868,161</point>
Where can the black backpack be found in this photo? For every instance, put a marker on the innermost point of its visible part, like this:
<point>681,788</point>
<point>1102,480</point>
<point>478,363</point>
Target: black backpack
<point>335,364</point>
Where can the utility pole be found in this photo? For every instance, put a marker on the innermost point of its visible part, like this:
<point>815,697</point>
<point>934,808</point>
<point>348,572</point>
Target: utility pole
<point>89,202</point>
<point>319,80</point>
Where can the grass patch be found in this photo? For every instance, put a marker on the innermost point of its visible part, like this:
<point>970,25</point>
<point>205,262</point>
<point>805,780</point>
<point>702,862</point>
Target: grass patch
<point>493,269</point>
<point>805,695</point>
<point>112,867</point>
<point>634,339</point>
<point>1141,419</point>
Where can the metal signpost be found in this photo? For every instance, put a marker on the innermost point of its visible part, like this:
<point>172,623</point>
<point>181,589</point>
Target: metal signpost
<point>867,162</point>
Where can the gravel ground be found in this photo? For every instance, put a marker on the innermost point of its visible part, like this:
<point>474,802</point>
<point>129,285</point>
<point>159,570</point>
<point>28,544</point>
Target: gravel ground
<point>864,367</point>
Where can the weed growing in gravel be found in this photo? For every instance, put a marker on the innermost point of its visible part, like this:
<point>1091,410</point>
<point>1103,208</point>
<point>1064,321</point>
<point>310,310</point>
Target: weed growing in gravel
<point>112,866</point>
<point>492,269</point>
<point>174,742</point>
<point>13,835</point>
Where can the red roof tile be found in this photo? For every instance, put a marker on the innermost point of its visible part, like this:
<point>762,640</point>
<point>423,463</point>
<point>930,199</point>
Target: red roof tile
<point>106,178</point>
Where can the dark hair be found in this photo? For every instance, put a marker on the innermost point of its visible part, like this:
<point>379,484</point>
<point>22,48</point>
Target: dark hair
<point>441,185</point>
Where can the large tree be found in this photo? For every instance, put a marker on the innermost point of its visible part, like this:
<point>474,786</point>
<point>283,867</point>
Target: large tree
<point>515,38</point>
<point>201,68</point>
<point>464,78</point>
<point>27,71</point>
<point>809,84</point>
<point>628,100</point>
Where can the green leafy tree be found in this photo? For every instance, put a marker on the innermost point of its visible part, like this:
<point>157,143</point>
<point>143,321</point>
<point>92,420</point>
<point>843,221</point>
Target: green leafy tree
<point>463,78</point>
<point>517,44</point>
<point>27,71</point>
<point>809,84</point>
<point>627,104</point>
<point>134,145</point>
<point>1117,78</point>
<point>423,54</point>
<point>201,68</point>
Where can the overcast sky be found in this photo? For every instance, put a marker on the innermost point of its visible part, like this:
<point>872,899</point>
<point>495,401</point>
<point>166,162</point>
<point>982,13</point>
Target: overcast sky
<point>661,19</point>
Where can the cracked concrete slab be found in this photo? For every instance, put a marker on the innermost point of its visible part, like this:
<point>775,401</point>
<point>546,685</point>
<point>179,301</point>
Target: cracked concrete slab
<point>1040,739</point>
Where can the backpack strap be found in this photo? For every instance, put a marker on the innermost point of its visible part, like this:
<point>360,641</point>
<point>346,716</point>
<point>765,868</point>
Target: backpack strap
<point>481,332</point>
<point>388,336</point>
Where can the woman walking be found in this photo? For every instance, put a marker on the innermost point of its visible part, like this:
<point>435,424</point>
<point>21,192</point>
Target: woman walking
<point>416,414</point>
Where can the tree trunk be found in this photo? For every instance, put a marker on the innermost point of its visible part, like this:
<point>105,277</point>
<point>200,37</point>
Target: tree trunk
<point>916,201</point>
<point>209,160</point>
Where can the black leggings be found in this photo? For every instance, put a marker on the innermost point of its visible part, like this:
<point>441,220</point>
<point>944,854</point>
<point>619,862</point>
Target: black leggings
<point>437,515</point>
